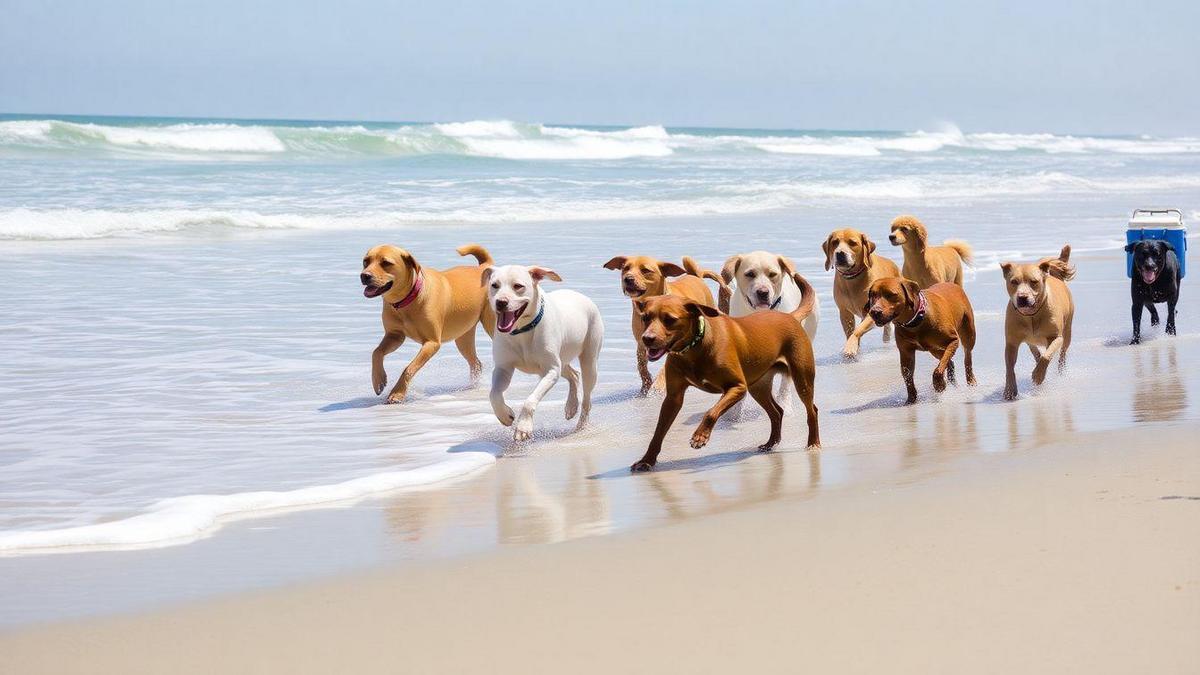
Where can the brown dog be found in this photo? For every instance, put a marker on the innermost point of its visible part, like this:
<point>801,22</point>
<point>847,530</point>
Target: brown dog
<point>729,356</point>
<point>924,264</point>
<point>1040,313</point>
<point>644,277</point>
<point>858,266</point>
<point>937,320</point>
<point>426,305</point>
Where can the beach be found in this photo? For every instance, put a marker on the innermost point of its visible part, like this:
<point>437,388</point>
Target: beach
<point>196,475</point>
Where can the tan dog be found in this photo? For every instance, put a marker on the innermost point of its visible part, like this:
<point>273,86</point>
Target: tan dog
<point>426,305</point>
<point>1040,313</point>
<point>729,356</point>
<point>858,266</point>
<point>937,320</point>
<point>644,277</point>
<point>924,264</point>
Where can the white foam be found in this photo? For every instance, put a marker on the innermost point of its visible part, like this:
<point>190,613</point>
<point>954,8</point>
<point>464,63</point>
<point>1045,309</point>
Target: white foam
<point>181,519</point>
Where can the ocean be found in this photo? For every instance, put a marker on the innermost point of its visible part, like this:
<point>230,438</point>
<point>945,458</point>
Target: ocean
<point>185,341</point>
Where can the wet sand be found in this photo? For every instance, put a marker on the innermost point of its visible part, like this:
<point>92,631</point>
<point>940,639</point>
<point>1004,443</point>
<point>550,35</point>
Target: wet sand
<point>1076,556</point>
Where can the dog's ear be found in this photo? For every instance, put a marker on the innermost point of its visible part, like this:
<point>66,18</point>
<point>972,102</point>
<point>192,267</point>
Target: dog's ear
<point>1167,245</point>
<point>1129,247</point>
<point>1007,268</point>
<point>731,267</point>
<point>616,263</point>
<point>786,266</point>
<point>410,261</point>
<point>921,234</point>
<point>911,291</point>
<point>486,275</point>
<point>670,269</point>
<point>542,273</point>
<point>696,309</point>
<point>868,249</point>
<point>827,248</point>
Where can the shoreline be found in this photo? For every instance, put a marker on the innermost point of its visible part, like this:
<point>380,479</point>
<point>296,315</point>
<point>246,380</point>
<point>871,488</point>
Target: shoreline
<point>1079,555</point>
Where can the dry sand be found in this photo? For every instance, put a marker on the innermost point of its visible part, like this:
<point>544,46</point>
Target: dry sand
<point>1077,557</point>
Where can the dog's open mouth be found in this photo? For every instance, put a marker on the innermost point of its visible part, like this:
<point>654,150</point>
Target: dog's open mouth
<point>634,291</point>
<point>881,320</point>
<point>655,353</point>
<point>506,319</point>
<point>373,291</point>
<point>1148,275</point>
<point>1027,310</point>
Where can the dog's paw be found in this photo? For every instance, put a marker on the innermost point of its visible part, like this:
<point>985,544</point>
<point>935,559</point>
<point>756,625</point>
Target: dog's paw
<point>641,466</point>
<point>1010,393</point>
<point>378,380</point>
<point>524,429</point>
<point>1171,329</point>
<point>850,350</point>
<point>396,397</point>
<point>1039,373</point>
<point>939,382</point>
<point>571,408</point>
<point>700,438</point>
<point>506,416</point>
<point>768,446</point>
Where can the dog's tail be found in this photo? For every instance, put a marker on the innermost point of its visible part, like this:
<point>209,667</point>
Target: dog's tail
<point>808,297</point>
<point>962,248</point>
<point>1059,267</point>
<point>481,254</point>
<point>723,293</point>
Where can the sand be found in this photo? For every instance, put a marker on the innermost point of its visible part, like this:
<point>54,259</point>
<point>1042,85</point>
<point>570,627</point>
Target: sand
<point>1079,556</point>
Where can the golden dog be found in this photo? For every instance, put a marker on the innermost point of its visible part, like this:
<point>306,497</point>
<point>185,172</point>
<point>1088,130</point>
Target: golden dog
<point>924,264</point>
<point>426,305</point>
<point>729,356</point>
<point>644,277</point>
<point>1040,313</point>
<point>858,266</point>
<point>938,320</point>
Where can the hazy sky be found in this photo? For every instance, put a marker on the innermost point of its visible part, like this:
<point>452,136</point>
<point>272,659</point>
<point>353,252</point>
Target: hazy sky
<point>1098,67</point>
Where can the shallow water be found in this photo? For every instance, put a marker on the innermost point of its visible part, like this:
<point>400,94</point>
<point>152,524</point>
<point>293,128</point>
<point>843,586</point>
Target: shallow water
<point>186,341</point>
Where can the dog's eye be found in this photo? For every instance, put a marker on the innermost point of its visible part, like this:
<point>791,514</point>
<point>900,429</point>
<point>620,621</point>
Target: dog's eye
<point>1015,282</point>
<point>496,285</point>
<point>646,318</point>
<point>646,270</point>
<point>750,274</point>
<point>518,287</point>
<point>834,242</point>
<point>668,321</point>
<point>386,263</point>
<point>366,262</point>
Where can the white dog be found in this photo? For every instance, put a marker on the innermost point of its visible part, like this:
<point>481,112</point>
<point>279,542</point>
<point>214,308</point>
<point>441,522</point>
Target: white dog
<point>541,333</point>
<point>762,281</point>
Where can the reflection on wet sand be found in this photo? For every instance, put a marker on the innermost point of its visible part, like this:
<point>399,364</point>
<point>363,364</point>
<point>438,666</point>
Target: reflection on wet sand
<point>1160,394</point>
<point>954,430</point>
<point>528,513</point>
<point>1039,421</point>
<point>683,495</point>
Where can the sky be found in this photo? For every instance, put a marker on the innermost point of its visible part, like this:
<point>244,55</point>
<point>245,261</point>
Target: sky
<point>1065,67</point>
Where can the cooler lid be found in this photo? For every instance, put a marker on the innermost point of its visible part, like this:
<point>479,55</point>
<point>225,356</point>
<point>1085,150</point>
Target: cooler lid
<point>1171,219</point>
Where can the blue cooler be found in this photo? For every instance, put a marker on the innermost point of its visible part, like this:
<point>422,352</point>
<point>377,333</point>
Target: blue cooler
<point>1166,224</point>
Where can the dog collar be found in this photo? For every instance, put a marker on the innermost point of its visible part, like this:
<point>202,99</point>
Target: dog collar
<point>695,340</point>
<point>412,294</point>
<point>532,324</point>
<point>855,275</point>
<point>920,315</point>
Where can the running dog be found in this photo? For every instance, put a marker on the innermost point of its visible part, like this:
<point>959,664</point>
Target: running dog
<point>644,277</point>
<point>1040,313</point>
<point>426,305</point>
<point>1155,279</point>
<point>852,254</point>
<point>924,264</point>
<point>541,333</point>
<point>725,355</point>
<point>938,320</point>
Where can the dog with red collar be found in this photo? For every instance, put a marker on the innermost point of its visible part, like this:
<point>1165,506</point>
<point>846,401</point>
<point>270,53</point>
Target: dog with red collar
<point>938,320</point>
<point>426,305</point>
<point>851,254</point>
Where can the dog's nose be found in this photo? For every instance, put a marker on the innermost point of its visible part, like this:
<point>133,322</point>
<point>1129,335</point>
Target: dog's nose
<point>1024,300</point>
<point>841,257</point>
<point>892,238</point>
<point>763,296</point>
<point>648,339</point>
<point>628,280</point>
<point>365,278</point>
<point>501,305</point>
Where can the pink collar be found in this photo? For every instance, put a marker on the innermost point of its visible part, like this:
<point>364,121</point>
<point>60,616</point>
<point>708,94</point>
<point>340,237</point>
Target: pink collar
<point>919,315</point>
<point>412,294</point>
<point>847,275</point>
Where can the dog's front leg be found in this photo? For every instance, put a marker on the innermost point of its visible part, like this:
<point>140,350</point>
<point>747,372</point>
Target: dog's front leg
<point>1010,376</point>
<point>426,352</point>
<point>672,403</point>
<point>944,363</point>
<point>908,362</point>
<point>1171,314</point>
<point>850,351</point>
<point>704,431</point>
<point>525,419</point>
<point>1137,321</point>
<point>643,366</point>
<point>501,378</point>
<point>1043,364</point>
<point>388,344</point>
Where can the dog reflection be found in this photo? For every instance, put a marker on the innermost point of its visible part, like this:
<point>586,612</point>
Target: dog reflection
<point>1051,421</point>
<point>526,513</point>
<point>1160,394</point>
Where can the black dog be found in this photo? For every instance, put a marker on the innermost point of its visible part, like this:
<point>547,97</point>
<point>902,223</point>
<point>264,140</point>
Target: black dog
<point>1155,279</point>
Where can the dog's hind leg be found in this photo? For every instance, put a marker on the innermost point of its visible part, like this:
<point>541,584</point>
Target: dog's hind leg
<point>761,392</point>
<point>587,367</point>
<point>1062,352</point>
<point>572,378</point>
<point>966,333</point>
<point>1153,312</point>
<point>803,380</point>
<point>466,347</point>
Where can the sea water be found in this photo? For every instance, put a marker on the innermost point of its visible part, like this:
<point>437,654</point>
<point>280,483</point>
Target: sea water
<point>184,340</point>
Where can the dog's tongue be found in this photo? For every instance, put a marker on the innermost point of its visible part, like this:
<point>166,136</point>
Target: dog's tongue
<point>506,320</point>
<point>655,353</point>
<point>1149,276</point>
<point>370,291</point>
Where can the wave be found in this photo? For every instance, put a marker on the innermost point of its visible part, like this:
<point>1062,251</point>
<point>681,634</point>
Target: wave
<point>182,519</point>
<point>510,140</point>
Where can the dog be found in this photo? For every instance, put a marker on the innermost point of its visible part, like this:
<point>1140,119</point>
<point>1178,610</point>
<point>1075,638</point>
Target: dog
<point>938,320</point>
<point>644,277</point>
<point>924,264</point>
<point>1040,313</point>
<point>426,305</point>
<point>852,254</point>
<point>1155,279</point>
<point>541,333</point>
<point>729,356</point>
